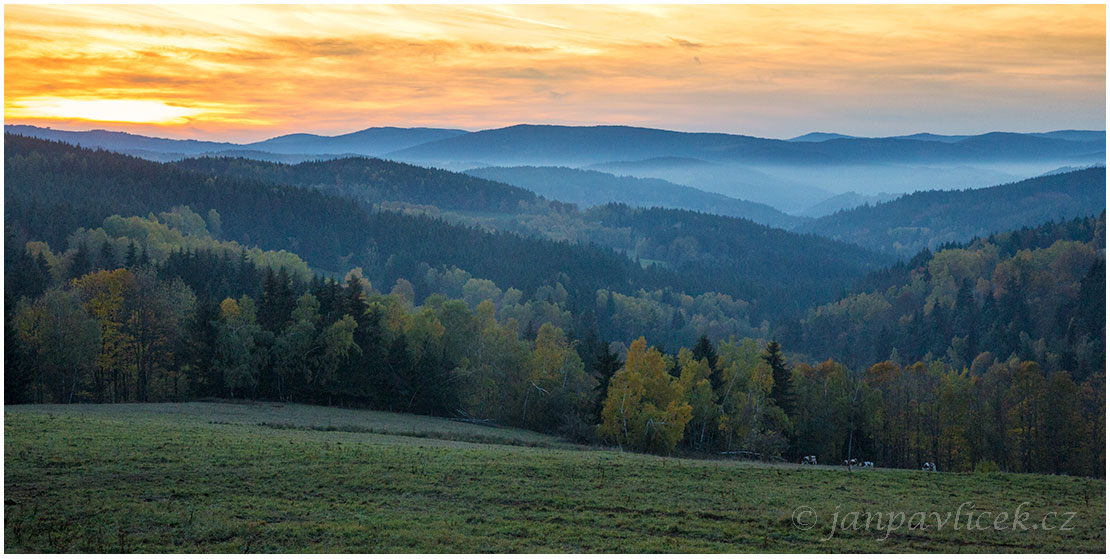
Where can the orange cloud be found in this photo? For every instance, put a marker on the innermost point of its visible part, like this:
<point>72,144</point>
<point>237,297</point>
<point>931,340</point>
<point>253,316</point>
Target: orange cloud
<point>246,72</point>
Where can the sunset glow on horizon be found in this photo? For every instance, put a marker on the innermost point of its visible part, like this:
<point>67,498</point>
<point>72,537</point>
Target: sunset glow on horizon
<point>244,73</point>
<point>100,110</point>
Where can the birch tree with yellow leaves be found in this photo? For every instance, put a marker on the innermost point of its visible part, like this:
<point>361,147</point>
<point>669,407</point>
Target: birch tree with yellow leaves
<point>645,409</point>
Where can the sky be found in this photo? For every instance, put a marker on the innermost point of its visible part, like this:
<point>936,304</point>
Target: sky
<point>244,73</point>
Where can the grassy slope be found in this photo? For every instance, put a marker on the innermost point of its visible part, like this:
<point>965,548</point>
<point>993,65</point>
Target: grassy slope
<point>210,478</point>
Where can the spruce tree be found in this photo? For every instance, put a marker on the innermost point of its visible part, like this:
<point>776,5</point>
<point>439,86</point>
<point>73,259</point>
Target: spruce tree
<point>782,392</point>
<point>107,256</point>
<point>704,349</point>
<point>80,264</point>
<point>606,365</point>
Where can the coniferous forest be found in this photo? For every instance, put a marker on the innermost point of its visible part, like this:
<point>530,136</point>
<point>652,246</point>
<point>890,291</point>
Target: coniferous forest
<point>365,283</point>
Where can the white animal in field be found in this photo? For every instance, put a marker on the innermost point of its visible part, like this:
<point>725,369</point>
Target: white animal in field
<point>929,467</point>
<point>810,460</point>
<point>867,464</point>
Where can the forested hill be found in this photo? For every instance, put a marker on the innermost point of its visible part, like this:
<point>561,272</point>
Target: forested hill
<point>1035,293</point>
<point>52,189</point>
<point>787,270</point>
<point>374,181</point>
<point>593,188</point>
<point>928,218</point>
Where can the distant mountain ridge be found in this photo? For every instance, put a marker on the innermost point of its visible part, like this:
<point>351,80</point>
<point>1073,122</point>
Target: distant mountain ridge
<point>588,188</point>
<point>1072,135</point>
<point>818,137</point>
<point>371,141</point>
<point>525,144</point>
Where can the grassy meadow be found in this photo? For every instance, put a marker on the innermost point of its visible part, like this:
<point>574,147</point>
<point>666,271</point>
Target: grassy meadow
<point>259,477</point>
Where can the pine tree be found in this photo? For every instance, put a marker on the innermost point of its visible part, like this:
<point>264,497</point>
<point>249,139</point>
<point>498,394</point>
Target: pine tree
<point>400,378</point>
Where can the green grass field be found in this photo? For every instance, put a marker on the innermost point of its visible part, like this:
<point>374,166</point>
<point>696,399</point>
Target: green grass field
<point>228,477</point>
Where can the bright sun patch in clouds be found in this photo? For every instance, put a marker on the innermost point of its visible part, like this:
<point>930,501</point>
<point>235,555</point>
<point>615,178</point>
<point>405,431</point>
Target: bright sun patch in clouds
<point>103,110</point>
<point>253,71</point>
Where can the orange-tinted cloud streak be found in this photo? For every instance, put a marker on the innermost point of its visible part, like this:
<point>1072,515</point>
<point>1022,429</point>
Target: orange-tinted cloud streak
<point>249,72</point>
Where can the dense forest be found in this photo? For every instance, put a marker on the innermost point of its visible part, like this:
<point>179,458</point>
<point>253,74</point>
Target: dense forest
<point>929,218</point>
<point>760,261</point>
<point>707,253</point>
<point>374,181</point>
<point>710,253</point>
<point>1037,293</point>
<point>128,280</point>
